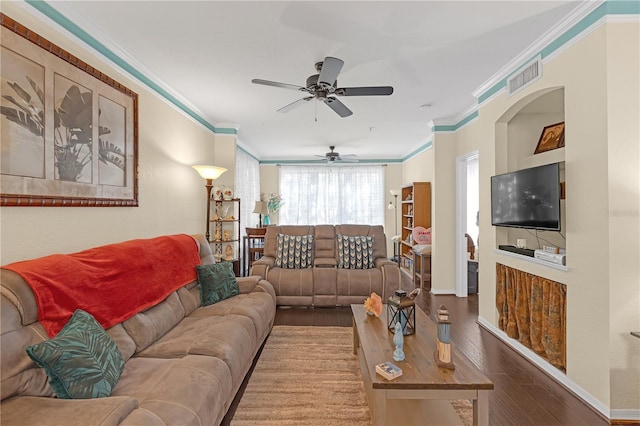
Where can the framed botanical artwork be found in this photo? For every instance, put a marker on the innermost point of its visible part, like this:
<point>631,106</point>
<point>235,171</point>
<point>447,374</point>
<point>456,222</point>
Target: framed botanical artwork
<point>552,137</point>
<point>68,132</point>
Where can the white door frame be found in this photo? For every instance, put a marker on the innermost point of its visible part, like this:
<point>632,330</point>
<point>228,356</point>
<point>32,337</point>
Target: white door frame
<point>461,223</point>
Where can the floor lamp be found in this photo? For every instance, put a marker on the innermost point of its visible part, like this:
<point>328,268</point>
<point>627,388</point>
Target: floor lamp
<point>394,206</point>
<point>209,173</point>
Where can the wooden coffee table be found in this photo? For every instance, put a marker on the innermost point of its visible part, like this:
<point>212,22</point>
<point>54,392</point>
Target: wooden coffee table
<point>421,394</point>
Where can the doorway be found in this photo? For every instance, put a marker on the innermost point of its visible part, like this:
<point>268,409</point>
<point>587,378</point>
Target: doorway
<point>467,211</point>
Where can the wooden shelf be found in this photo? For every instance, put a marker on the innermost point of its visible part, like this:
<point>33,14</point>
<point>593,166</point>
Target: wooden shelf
<point>532,260</point>
<point>416,211</point>
<point>220,226</point>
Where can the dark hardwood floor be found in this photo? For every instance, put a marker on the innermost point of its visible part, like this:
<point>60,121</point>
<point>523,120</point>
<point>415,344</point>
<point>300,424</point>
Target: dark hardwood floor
<point>523,394</point>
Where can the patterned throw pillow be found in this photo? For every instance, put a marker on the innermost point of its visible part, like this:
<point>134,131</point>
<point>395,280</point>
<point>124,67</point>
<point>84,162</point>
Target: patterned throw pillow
<point>217,282</point>
<point>294,251</point>
<point>355,252</point>
<point>82,361</point>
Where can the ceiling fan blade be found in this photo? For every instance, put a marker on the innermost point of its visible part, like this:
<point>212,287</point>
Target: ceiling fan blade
<point>331,67</point>
<point>364,91</point>
<point>276,84</point>
<point>338,107</point>
<point>295,104</point>
<point>348,160</point>
<point>348,156</point>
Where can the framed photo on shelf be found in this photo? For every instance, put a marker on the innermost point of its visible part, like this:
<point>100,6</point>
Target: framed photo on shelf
<point>552,137</point>
<point>68,132</point>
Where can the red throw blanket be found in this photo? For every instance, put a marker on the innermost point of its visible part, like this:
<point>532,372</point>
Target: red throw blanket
<point>112,282</point>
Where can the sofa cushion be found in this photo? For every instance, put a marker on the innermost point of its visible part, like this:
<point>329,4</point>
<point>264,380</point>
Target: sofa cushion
<point>232,338</point>
<point>30,410</point>
<point>294,251</point>
<point>194,390</point>
<point>217,282</point>
<point>82,361</point>
<point>148,326</point>
<point>355,252</point>
<point>258,306</point>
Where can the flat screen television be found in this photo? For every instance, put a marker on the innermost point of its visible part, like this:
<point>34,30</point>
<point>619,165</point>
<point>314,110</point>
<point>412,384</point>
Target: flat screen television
<point>527,198</point>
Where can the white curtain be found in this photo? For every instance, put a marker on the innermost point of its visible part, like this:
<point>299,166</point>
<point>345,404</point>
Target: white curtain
<point>247,188</point>
<point>332,195</point>
<point>473,203</point>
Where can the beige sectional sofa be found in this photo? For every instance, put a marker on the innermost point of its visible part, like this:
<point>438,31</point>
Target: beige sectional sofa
<point>325,282</point>
<point>183,363</point>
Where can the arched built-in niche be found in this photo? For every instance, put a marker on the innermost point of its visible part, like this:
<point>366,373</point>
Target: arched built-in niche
<point>517,133</point>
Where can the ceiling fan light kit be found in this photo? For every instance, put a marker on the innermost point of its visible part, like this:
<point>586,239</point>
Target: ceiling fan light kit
<point>335,157</point>
<point>324,85</point>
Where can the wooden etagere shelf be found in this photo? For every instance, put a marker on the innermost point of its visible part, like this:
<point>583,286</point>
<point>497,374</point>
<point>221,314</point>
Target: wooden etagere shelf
<point>225,238</point>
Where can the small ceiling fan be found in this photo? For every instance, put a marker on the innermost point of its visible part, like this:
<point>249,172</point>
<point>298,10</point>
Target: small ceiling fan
<point>334,157</point>
<point>324,86</point>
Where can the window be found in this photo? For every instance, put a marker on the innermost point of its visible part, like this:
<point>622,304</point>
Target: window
<point>332,195</point>
<point>247,187</point>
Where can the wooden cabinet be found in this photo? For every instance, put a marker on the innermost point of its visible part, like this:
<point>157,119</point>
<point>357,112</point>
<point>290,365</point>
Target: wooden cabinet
<point>416,211</point>
<point>225,239</point>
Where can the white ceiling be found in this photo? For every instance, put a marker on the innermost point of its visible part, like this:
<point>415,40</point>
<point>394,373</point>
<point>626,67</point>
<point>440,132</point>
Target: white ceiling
<point>432,52</point>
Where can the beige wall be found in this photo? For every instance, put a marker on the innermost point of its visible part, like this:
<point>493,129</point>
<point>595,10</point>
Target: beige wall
<point>602,205</point>
<point>418,168</point>
<point>171,193</point>
<point>623,213</point>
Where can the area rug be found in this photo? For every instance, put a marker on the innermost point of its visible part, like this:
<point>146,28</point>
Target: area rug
<point>310,376</point>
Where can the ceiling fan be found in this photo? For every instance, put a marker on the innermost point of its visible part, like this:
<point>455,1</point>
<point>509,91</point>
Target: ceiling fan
<point>324,86</point>
<point>334,157</point>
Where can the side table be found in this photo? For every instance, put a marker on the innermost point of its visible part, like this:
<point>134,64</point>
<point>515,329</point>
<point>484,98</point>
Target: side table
<point>422,269</point>
<point>253,247</point>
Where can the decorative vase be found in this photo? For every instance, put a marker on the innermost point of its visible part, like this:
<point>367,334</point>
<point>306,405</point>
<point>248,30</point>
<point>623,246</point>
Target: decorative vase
<point>216,194</point>
<point>227,192</point>
<point>265,220</point>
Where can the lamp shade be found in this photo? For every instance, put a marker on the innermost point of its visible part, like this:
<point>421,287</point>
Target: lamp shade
<point>260,207</point>
<point>394,192</point>
<point>209,172</point>
<point>391,206</point>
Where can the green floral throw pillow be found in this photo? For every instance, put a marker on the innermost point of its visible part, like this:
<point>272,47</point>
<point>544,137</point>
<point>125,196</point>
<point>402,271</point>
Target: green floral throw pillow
<point>217,282</point>
<point>355,252</point>
<point>82,361</point>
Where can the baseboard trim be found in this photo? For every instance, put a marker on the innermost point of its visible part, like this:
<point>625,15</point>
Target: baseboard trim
<point>442,292</point>
<point>625,417</point>
<point>552,371</point>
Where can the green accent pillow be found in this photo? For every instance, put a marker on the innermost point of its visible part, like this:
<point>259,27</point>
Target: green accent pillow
<point>355,252</point>
<point>82,361</point>
<point>217,282</point>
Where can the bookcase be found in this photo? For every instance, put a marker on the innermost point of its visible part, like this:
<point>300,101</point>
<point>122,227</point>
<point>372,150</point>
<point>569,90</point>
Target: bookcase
<point>416,211</point>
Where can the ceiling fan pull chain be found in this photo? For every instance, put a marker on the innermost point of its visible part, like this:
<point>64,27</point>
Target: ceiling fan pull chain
<point>315,103</point>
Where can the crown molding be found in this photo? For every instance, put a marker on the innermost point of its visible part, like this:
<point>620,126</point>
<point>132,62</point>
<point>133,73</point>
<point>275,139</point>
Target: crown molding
<point>421,148</point>
<point>454,123</point>
<point>63,16</point>
<point>538,45</point>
